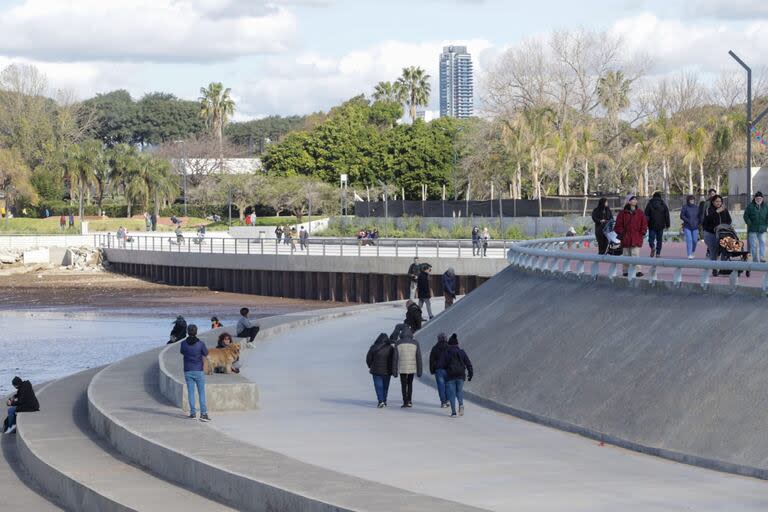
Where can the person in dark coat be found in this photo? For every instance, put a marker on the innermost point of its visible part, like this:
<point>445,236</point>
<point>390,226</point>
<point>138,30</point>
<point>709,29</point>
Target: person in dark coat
<point>458,368</point>
<point>23,401</point>
<point>413,277</point>
<point>435,357</point>
<point>413,318</point>
<point>657,214</point>
<point>601,215</point>
<point>193,351</point>
<point>716,214</point>
<point>178,331</point>
<point>631,226</point>
<point>449,287</point>
<point>382,363</point>
<point>423,289</point>
<point>703,206</point>
<point>475,241</point>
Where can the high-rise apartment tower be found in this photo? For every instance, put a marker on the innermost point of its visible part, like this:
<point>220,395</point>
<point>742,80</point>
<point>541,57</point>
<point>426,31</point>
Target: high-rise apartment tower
<point>456,89</point>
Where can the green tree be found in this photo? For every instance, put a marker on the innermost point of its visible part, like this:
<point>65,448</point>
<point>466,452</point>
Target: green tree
<point>613,92</point>
<point>216,107</point>
<point>242,188</point>
<point>258,134</point>
<point>387,91</point>
<point>115,117</point>
<point>15,178</point>
<point>413,89</point>
<point>162,117</point>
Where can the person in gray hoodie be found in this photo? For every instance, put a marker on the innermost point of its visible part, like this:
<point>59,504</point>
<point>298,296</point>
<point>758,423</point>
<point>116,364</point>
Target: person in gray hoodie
<point>408,363</point>
<point>382,363</point>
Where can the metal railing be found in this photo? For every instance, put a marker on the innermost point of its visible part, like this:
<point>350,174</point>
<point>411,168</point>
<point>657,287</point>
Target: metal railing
<point>552,255</point>
<point>331,247</point>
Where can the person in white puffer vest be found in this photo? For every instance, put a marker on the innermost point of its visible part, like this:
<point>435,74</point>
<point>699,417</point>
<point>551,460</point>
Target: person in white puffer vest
<point>408,363</point>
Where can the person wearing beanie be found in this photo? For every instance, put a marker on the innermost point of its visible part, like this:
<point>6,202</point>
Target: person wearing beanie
<point>435,369</point>
<point>193,350</point>
<point>756,217</point>
<point>689,214</point>
<point>657,214</point>
<point>382,363</point>
<point>631,227</point>
<point>458,368</point>
<point>23,401</point>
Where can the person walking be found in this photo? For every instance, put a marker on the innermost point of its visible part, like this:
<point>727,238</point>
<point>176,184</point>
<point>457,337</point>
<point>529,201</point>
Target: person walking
<point>408,363</point>
<point>71,220</point>
<point>435,358</point>
<point>245,328</point>
<point>475,241</point>
<point>458,368</point>
<point>147,222</point>
<point>294,236</point>
<point>449,287</point>
<point>24,400</point>
<point>413,276</point>
<point>631,226</point>
<point>716,214</point>
<point>601,215</point>
<point>153,220</point>
<point>303,238</point>
<point>689,214</point>
<point>382,362</point>
<point>413,318</point>
<point>756,217</point>
<point>253,218</point>
<point>193,351</point>
<point>278,233</point>
<point>424,290</point>
<point>62,222</point>
<point>657,215</point>
<point>485,237</point>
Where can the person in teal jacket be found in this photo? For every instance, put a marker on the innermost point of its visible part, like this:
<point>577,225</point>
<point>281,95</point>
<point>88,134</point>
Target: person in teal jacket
<point>756,217</point>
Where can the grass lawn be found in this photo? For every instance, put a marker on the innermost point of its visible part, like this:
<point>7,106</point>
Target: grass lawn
<point>50,226</point>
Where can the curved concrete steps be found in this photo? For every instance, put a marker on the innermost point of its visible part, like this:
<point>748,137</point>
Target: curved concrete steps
<point>125,406</point>
<point>17,488</point>
<point>81,472</point>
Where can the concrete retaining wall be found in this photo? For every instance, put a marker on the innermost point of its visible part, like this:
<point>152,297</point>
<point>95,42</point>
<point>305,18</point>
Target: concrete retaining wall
<point>675,373</point>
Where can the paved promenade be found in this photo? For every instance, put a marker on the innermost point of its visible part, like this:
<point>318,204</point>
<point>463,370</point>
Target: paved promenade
<point>318,406</point>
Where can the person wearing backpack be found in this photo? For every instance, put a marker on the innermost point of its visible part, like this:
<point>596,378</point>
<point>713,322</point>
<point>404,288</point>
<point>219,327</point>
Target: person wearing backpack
<point>458,368</point>
<point>439,372</point>
<point>382,363</point>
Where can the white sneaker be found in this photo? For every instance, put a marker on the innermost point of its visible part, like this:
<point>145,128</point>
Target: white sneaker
<point>690,257</point>
<point>11,429</point>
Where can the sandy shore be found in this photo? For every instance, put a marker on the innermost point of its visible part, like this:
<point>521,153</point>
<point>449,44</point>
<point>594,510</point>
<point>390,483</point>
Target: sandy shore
<point>64,290</point>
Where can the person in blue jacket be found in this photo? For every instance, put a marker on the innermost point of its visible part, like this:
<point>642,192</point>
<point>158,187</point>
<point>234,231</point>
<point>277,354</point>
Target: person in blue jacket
<point>689,214</point>
<point>458,368</point>
<point>194,351</point>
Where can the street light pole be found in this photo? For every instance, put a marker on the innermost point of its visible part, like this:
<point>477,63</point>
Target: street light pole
<point>229,202</point>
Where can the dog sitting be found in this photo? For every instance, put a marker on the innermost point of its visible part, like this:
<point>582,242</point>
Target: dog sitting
<point>221,359</point>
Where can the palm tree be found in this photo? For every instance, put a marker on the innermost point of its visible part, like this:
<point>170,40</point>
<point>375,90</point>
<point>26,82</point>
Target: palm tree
<point>666,141</point>
<point>152,181</point>
<point>585,143</point>
<point>387,91</point>
<point>613,92</point>
<point>216,106</point>
<point>539,123</point>
<point>565,145</point>
<point>123,162</point>
<point>722,141</point>
<point>413,89</point>
<point>697,145</point>
<point>82,160</point>
<point>513,135</point>
<point>644,153</point>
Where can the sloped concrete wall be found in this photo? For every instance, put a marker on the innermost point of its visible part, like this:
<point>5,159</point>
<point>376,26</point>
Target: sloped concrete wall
<point>677,373</point>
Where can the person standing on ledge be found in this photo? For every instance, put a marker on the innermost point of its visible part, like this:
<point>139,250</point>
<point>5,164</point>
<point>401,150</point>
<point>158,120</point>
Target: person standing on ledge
<point>631,226</point>
<point>194,351</point>
<point>458,368</point>
<point>408,364</point>
<point>689,214</point>
<point>246,328</point>
<point>424,290</point>
<point>278,233</point>
<point>756,217</point>
<point>382,363</point>
<point>601,215</point>
<point>413,276</point>
<point>657,214</point>
<point>449,287</point>
<point>435,357</point>
<point>23,401</point>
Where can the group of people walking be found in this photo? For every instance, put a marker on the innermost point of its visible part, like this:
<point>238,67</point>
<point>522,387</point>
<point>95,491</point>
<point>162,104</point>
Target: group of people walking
<point>289,236</point>
<point>421,288</point>
<point>399,354</point>
<point>480,240</point>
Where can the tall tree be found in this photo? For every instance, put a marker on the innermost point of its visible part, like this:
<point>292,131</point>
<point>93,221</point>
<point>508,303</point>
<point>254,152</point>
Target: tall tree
<point>697,145</point>
<point>387,91</point>
<point>667,142</point>
<point>613,90</point>
<point>82,160</point>
<point>414,88</point>
<point>14,178</point>
<point>216,107</point>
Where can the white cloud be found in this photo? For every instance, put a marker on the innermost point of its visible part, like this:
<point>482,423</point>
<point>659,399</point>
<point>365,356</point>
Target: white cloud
<point>145,30</point>
<point>728,9</point>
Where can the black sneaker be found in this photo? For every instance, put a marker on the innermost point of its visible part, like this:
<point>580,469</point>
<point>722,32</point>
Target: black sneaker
<point>625,274</point>
<point>204,417</point>
<point>381,405</point>
<point>404,406</point>
<point>639,274</point>
<point>192,416</point>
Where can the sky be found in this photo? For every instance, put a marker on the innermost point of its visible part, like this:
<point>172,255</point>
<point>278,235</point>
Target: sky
<point>300,56</point>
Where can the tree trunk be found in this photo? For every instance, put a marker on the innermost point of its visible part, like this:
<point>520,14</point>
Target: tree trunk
<point>645,179</point>
<point>567,177</point>
<point>157,207</point>
<point>129,209</point>
<point>519,180</point>
<point>701,177</point>
<point>561,182</point>
<point>80,201</point>
<point>597,177</point>
<point>586,177</point>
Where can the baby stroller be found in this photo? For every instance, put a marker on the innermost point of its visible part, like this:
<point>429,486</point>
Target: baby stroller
<point>614,244</point>
<point>729,247</point>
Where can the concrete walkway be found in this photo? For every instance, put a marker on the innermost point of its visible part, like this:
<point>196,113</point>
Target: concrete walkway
<point>318,406</point>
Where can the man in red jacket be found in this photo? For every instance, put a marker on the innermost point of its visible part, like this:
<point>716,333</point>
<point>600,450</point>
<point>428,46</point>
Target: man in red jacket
<point>631,227</point>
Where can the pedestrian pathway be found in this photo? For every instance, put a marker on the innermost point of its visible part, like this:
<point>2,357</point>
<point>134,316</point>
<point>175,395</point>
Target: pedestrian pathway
<point>318,405</point>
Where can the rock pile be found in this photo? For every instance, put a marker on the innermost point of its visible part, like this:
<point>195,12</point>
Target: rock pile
<point>83,258</point>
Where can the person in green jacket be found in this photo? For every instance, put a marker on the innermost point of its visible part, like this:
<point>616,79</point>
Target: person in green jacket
<point>756,217</point>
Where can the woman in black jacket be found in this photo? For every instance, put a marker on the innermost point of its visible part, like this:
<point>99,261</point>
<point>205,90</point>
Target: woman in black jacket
<point>382,363</point>
<point>600,216</point>
<point>23,401</point>
<point>440,374</point>
<point>715,215</point>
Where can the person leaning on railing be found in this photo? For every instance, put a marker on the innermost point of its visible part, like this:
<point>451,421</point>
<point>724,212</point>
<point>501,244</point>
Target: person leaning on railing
<point>631,227</point>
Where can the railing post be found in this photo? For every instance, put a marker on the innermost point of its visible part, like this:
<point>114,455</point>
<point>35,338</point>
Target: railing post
<point>324,240</point>
<point>248,246</point>
<point>341,246</point>
<point>223,249</point>
<point>459,249</point>
<point>396,247</point>
<point>189,244</point>
<point>235,245</point>
<point>437,246</point>
<point>377,247</point>
<point>261,244</point>
<point>359,247</point>
<point>417,248</point>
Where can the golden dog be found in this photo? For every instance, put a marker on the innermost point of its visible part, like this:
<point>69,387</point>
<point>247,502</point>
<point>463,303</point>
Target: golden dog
<point>222,358</point>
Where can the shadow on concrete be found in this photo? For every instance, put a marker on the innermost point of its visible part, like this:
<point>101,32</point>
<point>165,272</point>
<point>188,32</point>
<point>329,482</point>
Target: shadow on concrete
<point>393,404</point>
<point>11,455</point>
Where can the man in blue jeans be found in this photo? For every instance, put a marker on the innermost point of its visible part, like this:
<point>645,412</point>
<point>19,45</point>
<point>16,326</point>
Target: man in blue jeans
<point>23,401</point>
<point>756,218</point>
<point>435,369</point>
<point>657,213</point>
<point>458,368</point>
<point>194,351</point>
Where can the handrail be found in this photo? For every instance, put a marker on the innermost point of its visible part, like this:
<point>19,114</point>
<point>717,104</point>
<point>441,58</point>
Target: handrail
<point>550,255</point>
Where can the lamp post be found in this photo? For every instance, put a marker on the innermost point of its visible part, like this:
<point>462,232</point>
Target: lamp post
<point>343,187</point>
<point>183,171</point>
<point>386,203</point>
<point>229,203</point>
<point>751,123</point>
